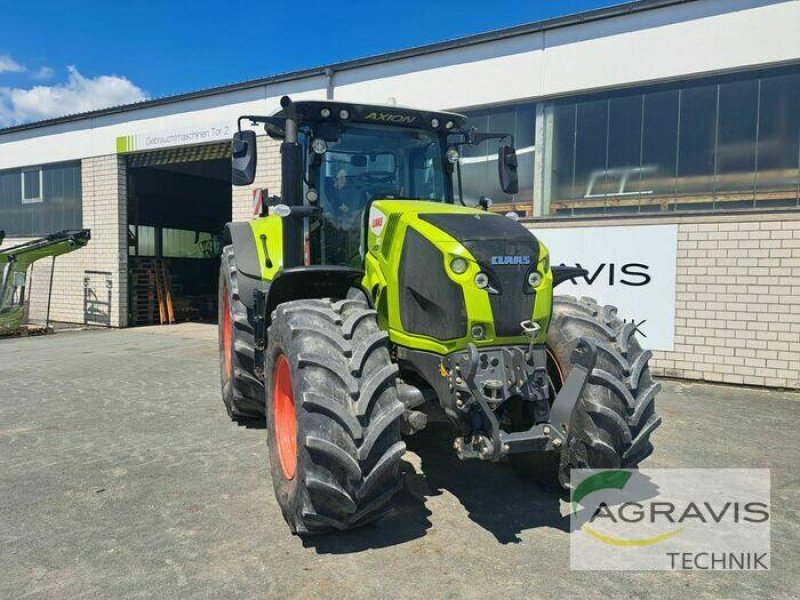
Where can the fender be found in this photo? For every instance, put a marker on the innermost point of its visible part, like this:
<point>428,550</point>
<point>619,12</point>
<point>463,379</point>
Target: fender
<point>247,264</point>
<point>317,281</point>
<point>562,273</point>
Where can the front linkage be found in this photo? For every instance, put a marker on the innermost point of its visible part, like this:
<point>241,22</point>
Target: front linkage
<point>474,382</point>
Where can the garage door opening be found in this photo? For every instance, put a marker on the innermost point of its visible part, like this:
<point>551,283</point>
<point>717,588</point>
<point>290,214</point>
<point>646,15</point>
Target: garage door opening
<point>178,203</point>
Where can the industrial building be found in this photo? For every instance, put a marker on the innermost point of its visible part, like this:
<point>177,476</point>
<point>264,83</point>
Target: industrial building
<point>658,144</point>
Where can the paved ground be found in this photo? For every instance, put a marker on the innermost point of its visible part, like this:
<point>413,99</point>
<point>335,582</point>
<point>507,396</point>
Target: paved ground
<point>121,477</point>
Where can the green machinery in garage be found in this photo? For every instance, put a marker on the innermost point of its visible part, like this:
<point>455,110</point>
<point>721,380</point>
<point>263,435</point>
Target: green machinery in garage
<point>368,296</point>
<point>14,263</point>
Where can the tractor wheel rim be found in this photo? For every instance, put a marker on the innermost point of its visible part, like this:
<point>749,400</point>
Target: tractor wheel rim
<point>284,417</point>
<point>227,332</point>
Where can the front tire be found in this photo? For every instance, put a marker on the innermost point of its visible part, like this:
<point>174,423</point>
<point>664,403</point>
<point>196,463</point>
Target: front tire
<point>242,388</point>
<point>612,421</point>
<point>332,415</point>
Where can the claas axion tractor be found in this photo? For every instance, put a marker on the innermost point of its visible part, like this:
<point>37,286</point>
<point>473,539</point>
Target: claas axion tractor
<point>368,297</point>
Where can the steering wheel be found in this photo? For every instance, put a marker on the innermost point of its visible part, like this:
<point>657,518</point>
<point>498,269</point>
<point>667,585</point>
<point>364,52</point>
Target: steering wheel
<point>377,177</point>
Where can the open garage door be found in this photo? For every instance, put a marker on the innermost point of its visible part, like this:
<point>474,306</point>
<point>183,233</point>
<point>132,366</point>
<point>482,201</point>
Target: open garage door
<point>179,200</point>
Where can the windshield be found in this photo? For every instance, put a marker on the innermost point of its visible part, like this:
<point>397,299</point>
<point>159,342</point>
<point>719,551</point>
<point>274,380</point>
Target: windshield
<point>366,163</point>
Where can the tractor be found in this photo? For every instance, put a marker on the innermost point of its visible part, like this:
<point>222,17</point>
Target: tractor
<point>369,298</point>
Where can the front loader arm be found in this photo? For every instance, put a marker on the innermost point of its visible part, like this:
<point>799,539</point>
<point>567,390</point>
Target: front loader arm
<point>14,263</point>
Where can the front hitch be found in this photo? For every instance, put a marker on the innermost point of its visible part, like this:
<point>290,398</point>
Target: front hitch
<point>489,441</point>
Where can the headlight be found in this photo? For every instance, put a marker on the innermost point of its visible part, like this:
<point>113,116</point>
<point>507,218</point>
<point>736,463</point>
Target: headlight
<point>344,114</point>
<point>459,265</point>
<point>449,125</point>
<point>319,146</point>
<point>452,155</point>
<point>325,112</point>
<point>478,332</point>
<point>534,279</point>
<point>434,123</point>
<point>482,280</point>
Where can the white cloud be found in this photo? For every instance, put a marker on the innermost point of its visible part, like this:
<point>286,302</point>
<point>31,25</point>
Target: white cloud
<point>78,94</point>
<point>9,65</point>
<point>42,73</point>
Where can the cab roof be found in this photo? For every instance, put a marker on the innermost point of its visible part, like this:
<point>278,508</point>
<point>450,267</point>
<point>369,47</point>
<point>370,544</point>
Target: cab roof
<point>374,114</point>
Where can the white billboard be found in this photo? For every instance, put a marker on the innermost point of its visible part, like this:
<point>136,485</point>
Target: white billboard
<point>631,267</point>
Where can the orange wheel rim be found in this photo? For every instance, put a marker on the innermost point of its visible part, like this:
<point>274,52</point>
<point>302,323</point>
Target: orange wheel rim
<point>227,331</point>
<point>284,417</point>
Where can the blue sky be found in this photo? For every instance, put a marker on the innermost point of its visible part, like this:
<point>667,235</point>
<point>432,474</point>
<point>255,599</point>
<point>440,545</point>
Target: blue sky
<point>58,57</point>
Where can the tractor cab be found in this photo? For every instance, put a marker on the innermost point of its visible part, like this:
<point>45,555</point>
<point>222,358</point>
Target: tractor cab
<point>340,157</point>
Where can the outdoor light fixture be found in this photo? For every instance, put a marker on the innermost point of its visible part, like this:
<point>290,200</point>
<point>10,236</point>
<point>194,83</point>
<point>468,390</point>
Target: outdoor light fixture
<point>459,265</point>
<point>319,146</point>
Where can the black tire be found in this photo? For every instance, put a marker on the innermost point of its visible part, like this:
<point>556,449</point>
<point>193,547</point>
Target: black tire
<point>240,369</point>
<point>346,414</point>
<point>612,421</point>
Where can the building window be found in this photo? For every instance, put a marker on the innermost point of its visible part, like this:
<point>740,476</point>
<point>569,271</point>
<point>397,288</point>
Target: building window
<point>721,143</point>
<point>479,163</point>
<point>40,200</point>
<point>31,185</point>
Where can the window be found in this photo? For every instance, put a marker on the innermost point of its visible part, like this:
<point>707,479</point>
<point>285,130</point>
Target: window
<point>479,163</point>
<point>40,200</point>
<point>32,185</point>
<point>777,181</point>
<point>179,243</point>
<point>729,142</point>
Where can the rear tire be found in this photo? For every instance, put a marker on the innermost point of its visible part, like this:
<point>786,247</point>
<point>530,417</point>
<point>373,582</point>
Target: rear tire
<point>336,466</point>
<point>612,421</point>
<point>240,372</point>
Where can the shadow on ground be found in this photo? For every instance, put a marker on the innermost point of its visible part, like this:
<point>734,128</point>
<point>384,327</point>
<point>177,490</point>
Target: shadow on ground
<point>496,497</point>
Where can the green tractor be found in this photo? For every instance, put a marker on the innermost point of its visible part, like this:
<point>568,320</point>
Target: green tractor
<point>368,297</point>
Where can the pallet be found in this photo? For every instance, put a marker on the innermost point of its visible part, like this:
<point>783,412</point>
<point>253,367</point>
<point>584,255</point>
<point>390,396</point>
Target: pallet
<point>151,295</point>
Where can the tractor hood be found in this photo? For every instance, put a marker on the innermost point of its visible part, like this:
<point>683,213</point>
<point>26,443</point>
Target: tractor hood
<point>417,242</point>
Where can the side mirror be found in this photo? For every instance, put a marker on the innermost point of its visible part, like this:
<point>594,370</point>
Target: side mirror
<point>507,169</point>
<point>243,157</point>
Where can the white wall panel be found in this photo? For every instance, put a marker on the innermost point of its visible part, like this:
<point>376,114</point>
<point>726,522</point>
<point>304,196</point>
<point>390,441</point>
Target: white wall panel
<point>470,76</point>
<point>97,136</point>
<point>678,41</point>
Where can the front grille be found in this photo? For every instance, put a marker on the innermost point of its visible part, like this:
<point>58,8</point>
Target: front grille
<point>431,303</point>
<point>487,235</point>
<point>513,302</point>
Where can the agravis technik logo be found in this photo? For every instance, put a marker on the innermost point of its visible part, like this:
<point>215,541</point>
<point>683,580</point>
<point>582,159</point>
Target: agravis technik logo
<point>705,519</point>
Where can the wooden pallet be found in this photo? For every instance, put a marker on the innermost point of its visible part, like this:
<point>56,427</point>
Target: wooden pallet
<point>151,296</point>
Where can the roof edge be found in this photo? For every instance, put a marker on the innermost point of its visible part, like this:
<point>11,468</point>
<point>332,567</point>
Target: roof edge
<point>471,40</point>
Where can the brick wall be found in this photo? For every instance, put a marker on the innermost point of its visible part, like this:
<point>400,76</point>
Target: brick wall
<point>105,213</point>
<point>737,298</point>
